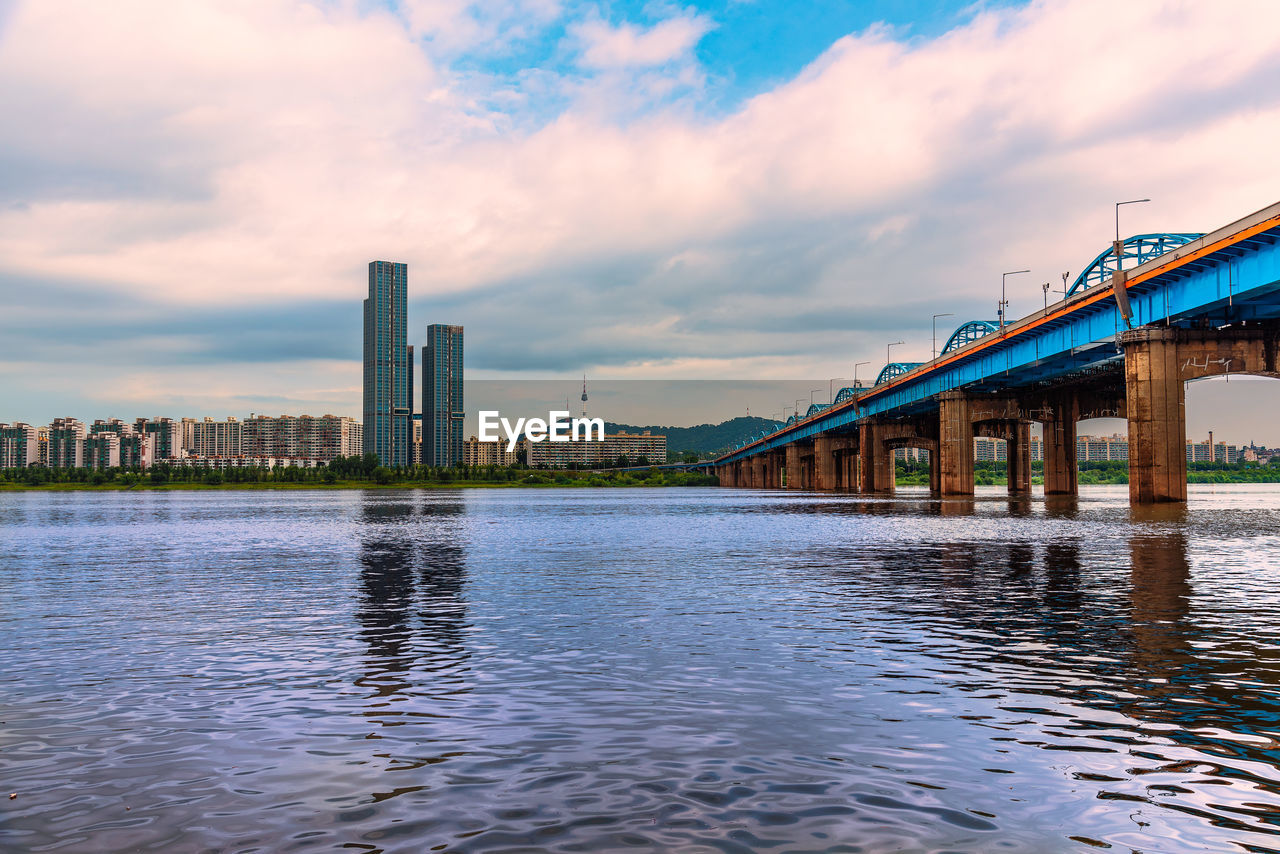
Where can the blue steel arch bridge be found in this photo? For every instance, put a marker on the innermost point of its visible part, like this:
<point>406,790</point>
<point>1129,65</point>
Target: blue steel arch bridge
<point>1143,317</point>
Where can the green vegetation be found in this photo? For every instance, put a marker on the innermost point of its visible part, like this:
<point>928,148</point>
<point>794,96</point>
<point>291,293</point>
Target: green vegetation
<point>704,440</point>
<point>1102,472</point>
<point>341,473</point>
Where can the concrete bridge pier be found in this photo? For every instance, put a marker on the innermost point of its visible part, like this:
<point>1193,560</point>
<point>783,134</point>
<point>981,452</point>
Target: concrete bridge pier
<point>773,470</point>
<point>824,462</point>
<point>806,465</point>
<point>876,460</point>
<point>757,471</point>
<point>848,467</point>
<point>955,444</point>
<point>1019,457</point>
<point>792,466</point>
<point>1156,403</point>
<point>842,450</point>
<point>1061,474</point>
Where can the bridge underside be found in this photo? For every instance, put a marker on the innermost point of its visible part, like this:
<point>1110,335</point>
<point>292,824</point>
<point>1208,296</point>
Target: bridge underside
<point>1145,386</point>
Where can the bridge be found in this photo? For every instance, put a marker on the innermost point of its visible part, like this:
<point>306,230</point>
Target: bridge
<point>1147,315</point>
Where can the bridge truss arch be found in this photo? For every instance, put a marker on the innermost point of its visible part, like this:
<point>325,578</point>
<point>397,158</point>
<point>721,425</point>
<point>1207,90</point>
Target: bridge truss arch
<point>896,369</point>
<point>846,393</point>
<point>1136,250</point>
<point>970,332</point>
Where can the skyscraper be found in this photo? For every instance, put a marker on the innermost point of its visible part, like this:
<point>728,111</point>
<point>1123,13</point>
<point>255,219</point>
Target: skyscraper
<point>442,410</point>
<point>387,395</point>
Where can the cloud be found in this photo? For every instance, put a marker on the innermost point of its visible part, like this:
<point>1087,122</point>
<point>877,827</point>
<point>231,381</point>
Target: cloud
<point>240,163</point>
<point>628,45</point>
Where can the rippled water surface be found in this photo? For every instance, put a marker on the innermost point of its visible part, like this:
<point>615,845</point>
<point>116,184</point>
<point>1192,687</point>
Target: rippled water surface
<point>665,670</point>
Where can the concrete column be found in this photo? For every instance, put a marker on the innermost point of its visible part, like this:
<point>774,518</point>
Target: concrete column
<point>1061,472</point>
<point>844,448</point>
<point>775,469</point>
<point>722,472</point>
<point>793,466</point>
<point>1019,457</point>
<point>1156,404</point>
<point>935,473</point>
<point>757,471</point>
<point>875,459</point>
<point>955,444</point>
<point>824,462</point>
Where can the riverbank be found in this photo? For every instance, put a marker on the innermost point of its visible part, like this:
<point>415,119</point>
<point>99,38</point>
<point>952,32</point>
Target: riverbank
<point>531,480</point>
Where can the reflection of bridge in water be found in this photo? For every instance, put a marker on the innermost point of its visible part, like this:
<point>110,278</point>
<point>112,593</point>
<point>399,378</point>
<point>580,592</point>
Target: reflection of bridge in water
<point>1178,307</point>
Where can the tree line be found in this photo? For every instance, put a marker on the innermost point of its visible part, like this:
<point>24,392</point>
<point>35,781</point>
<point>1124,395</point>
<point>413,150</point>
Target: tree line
<point>366,468</point>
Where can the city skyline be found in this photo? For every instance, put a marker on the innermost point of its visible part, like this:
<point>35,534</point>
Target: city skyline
<point>699,210</point>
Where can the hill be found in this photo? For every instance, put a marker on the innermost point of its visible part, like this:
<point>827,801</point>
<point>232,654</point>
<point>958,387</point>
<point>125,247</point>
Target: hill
<point>702,439</point>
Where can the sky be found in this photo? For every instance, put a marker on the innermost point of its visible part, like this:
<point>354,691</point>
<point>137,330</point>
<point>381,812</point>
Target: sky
<point>190,192</point>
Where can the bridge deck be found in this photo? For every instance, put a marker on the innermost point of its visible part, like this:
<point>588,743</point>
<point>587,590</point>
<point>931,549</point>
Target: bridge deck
<point>1227,276</point>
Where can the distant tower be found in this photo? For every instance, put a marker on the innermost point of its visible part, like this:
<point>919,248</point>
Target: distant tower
<point>584,395</point>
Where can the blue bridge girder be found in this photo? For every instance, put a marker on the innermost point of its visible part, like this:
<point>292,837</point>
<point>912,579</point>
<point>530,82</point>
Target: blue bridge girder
<point>1224,277</point>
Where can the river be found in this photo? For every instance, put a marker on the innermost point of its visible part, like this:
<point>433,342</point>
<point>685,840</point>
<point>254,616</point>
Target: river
<point>702,670</point>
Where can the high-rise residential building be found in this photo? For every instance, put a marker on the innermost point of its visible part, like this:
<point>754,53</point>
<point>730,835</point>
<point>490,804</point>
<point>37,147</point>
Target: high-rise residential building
<point>387,398</point>
<point>442,410</point>
<point>102,450</point>
<point>168,436</point>
<point>209,438</point>
<point>300,436</point>
<point>137,450</point>
<point>636,447</point>
<point>1102,448</point>
<point>66,444</point>
<point>111,425</point>
<point>490,453</point>
<point>19,447</point>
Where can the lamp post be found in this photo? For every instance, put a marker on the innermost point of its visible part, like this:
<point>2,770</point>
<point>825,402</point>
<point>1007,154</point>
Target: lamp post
<point>935,330</point>
<point>887,360</point>
<point>831,399</point>
<point>1045,286</point>
<point>1118,246</point>
<point>1004,303</point>
<point>857,365</point>
<point>799,400</point>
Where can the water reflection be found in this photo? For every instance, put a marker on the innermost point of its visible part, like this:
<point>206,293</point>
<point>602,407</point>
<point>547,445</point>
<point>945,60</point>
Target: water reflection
<point>644,669</point>
<point>412,611</point>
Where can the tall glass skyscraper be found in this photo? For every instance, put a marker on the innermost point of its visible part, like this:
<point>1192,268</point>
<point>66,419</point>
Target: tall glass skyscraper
<point>388,380</point>
<point>442,411</point>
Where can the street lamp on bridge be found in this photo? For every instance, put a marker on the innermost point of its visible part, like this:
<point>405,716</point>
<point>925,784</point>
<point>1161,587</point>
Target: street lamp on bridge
<point>1116,245</point>
<point>935,330</point>
<point>831,389</point>
<point>857,365</point>
<point>1004,303</point>
<point>887,360</point>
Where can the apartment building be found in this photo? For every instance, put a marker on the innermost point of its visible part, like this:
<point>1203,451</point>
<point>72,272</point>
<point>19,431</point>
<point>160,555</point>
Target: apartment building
<point>19,446</point>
